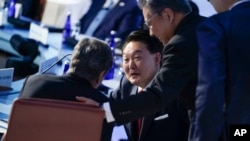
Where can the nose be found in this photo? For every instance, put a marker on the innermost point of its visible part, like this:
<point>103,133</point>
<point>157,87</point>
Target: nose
<point>131,64</point>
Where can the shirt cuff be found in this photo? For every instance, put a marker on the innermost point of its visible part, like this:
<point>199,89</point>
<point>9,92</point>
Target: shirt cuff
<point>108,113</point>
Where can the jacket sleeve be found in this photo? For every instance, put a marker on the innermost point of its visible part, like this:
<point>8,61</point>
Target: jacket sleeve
<point>208,120</point>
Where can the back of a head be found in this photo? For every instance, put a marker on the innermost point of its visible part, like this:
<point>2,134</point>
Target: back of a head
<point>181,6</point>
<point>90,57</point>
<point>152,43</point>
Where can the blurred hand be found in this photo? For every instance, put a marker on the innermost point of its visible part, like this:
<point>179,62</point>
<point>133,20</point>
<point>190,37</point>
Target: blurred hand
<point>87,101</point>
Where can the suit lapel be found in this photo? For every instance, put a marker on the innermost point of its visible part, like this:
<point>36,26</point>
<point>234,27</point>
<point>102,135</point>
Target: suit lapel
<point>130,129</point>
<point>134,90</point>
<point>146,122</point>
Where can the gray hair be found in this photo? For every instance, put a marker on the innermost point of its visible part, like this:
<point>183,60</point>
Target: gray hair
<point>90,57</point>
<point>156,6</point>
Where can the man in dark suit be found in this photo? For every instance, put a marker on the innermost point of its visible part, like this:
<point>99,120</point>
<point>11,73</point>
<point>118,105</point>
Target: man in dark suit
<point>223,92</point>
<point>91,59</point>
<point>142,52</point>
<point>123,17</point>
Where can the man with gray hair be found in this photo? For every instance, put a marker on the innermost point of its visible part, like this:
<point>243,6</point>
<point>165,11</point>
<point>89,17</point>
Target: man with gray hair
<point>91,59</point>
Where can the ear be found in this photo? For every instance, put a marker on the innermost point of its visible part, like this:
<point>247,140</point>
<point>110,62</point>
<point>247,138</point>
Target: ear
<point>157,59</point>
<point>100,77</point>
<point>168,14</point>
<point>97,82</point>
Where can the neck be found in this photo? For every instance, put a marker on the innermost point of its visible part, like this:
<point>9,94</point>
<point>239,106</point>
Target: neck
<point>179,17</point>
<point>94,83</point>
<point>145,85</point>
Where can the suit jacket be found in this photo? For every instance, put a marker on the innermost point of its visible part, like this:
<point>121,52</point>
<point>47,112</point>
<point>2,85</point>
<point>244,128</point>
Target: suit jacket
<point>33,8</point>
<point>123,18</point>
<point>177,78</point>
<point>65,87</point>
<point>224,73</point>
<point>172,128</point>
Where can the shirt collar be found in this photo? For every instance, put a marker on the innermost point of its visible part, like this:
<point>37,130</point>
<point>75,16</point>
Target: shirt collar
<point>237,3</point>
<point>148,85</point>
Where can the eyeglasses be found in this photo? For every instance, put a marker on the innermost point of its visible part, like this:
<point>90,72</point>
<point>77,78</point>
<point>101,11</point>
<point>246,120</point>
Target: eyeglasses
<point>148,22</point>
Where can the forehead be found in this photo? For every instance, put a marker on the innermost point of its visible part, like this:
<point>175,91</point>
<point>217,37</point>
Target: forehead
<point>146,11</point>
<point>134,47</point>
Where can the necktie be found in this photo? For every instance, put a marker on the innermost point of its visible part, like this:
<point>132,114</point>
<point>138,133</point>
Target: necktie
<point>139,123</point>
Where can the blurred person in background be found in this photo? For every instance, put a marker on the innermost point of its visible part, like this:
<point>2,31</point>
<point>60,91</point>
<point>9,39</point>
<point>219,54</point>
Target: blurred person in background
<point>122,16</point>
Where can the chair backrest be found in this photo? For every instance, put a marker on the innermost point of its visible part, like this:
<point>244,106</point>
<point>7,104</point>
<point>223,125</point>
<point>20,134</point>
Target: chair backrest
<point>54,120</point>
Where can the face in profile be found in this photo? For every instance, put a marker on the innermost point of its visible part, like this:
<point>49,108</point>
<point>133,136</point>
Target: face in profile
<point>139,64</point>
<point>160,24</point>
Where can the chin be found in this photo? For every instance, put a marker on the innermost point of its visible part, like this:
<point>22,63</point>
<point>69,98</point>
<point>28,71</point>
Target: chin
<point>133,81</point>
